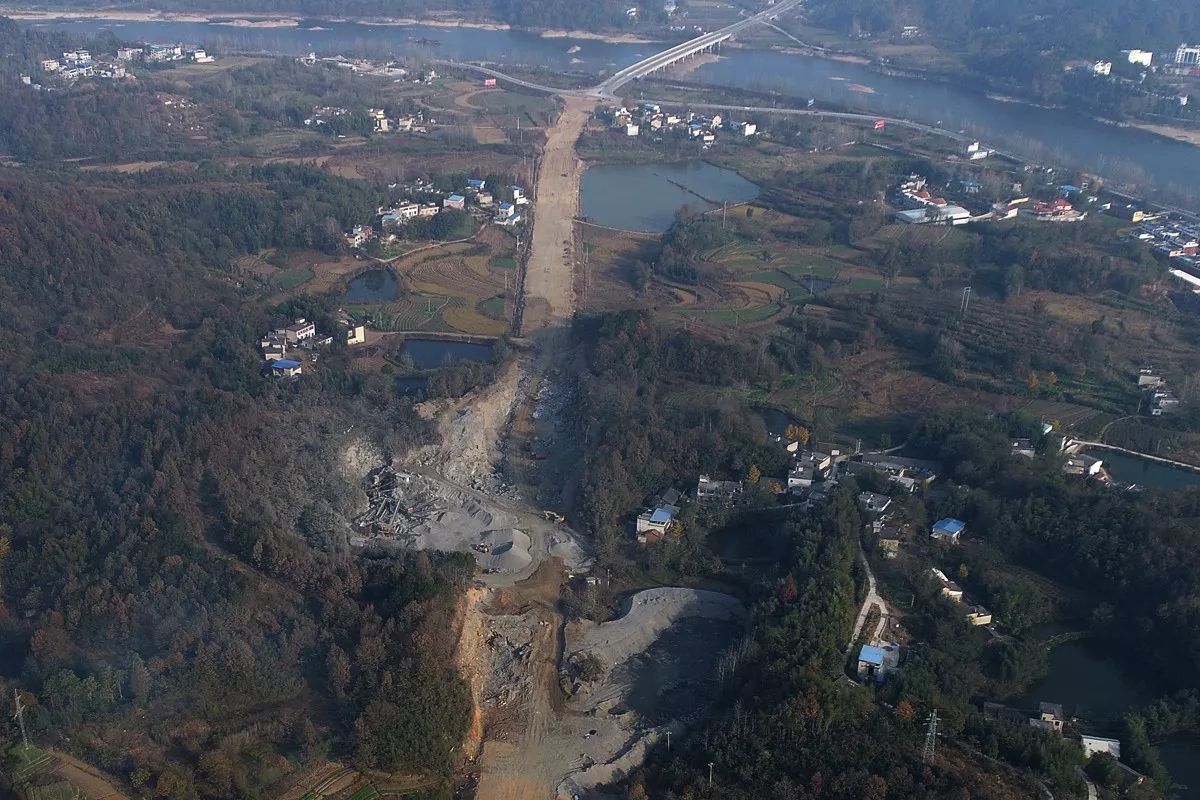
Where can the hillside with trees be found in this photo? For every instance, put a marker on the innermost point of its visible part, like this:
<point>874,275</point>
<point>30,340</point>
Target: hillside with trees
<point>177,603</point>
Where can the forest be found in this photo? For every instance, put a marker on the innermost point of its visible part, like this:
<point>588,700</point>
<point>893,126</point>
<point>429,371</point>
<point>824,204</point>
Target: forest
<point>177,604</point>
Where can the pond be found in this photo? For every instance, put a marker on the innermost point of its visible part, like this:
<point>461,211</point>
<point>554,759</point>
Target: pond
<point>645,197</point>
<point>434,353</point>
<point>1148,474</point>
<point>372,286</point>
<point>1090,684</point>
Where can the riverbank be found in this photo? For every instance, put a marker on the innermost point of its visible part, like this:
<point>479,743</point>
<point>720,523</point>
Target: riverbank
<point>258,19</point>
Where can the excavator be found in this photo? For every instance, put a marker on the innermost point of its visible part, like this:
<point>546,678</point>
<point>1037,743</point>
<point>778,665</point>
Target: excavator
<point>553,516</point>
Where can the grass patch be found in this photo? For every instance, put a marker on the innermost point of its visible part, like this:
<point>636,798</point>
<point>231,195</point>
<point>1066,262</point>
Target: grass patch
<point>734,316</point>
<point>493,307</point>
<point>367,792</point>
<point>502,262</point>
<point>292,278</point>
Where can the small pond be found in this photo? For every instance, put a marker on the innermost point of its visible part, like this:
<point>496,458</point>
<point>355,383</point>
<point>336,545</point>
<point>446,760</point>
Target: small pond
<point>372,286</point>
<point>645,197</point>
<point>434,353</point>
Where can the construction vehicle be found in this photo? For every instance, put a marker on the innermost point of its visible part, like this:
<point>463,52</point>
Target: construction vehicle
<point>553,516</point>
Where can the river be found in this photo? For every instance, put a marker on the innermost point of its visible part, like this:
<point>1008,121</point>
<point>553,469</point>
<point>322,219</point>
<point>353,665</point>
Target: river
<point>1122,152</point>
<point>645,197</point>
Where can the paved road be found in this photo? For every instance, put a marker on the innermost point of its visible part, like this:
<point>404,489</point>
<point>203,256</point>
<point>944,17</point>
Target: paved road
<point>872,599</point>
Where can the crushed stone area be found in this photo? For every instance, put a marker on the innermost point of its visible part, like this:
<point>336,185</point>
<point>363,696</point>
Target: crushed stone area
<point>548,732</point>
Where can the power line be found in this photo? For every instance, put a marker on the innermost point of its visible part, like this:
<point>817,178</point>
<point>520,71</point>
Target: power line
<point>931,733</point>
<point>20,716</point>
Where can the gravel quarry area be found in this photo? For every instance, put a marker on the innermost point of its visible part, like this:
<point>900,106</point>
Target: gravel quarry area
<point>549,731</point>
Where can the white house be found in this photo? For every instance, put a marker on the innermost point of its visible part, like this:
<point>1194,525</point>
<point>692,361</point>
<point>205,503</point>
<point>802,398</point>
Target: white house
<point>1143,58</point>
<point>808,468</point>
<point>299,331</point>
<point>632,129</point>
<point>749,129</point>
<point>1099,744</point>
<point>1102,68</point>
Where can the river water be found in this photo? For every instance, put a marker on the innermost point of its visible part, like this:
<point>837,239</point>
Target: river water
<point>1122,152</point>
<point>645,197</point>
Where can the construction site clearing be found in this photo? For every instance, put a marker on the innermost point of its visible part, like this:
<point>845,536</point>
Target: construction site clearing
<point>422,512</point>
<point>622,687</point>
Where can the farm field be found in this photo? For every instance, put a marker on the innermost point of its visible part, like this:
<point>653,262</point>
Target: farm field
<point>454,288</point>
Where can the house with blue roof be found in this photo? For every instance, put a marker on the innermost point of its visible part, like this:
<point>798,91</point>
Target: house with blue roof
<point>454,201</point>
<point>476,184</point>
<point>948,530</point>
<point>871,663</point>
<point>286,368</point>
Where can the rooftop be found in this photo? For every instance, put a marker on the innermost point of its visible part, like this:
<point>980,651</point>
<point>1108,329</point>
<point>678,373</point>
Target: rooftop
<point>871,655</point>
<point>285,363</point>
<point>661,516</point>
<point>950,525</point>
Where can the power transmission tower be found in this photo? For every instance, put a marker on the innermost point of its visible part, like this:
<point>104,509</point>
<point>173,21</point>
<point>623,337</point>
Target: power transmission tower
<point>931,733</point>
<point>20,716</point>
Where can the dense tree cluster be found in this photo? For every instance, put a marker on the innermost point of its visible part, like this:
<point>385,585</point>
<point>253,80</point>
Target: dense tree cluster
<point>173,559</point>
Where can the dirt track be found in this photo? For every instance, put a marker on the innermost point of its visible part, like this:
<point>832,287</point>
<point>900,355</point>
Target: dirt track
<point>549,274</point>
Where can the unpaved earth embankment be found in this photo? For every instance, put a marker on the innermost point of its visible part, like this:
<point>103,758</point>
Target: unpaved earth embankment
<point>549,272</point>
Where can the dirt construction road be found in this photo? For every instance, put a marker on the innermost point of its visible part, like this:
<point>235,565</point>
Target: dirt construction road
<point>549,275</point>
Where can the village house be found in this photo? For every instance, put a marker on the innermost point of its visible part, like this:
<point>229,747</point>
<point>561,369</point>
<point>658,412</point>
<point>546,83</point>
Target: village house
<point>1099,744</point>
<point>454,201</point>
<point>1023,447</point>
<point>506,214</point>
<point>874,503</point>
<point>870,663</point>
<point>1050,717</point>
<point>300,330</point>
<point>428,209</point>
<point>808,467</point>
<point>978,615</point>
<point>889,542</point>
<point>476,184</point>
<point>949,588</point>
<point>485,199</point>
<point>707,488</point>
<point>948,530</point>
<point>286,368</point>
<point>518,194</point>
<point>1083,465</point>
<point>355,332</point>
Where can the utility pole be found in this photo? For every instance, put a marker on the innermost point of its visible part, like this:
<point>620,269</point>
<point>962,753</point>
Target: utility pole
<point>668,740</point>
<point>724,209</point>
<point>710,766</point>
<point>966,301</point>
<point>20,718</point>
<point>930,737</point>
